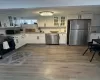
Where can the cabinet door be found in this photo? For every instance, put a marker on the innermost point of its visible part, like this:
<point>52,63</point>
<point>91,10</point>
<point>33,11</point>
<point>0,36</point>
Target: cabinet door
<point>96,20</point>
<point>17,42</point>
<point>22,39</point>
<point>18,22</point>
<point>41,39</point>
<point>35,38</point>
<point>41,21</point>
<point>30,38</point>
<point>62,21</point>
<point>63,39</point>
<point>5,22</point>
<point>72,17</point>
<point>49,21</point>
<point>56,21</point>
<point>86,16</point>
<point>59,21</point>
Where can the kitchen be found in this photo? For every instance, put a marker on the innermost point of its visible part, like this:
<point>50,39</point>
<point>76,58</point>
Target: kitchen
<point>34,33</point>
<point>57,23</point>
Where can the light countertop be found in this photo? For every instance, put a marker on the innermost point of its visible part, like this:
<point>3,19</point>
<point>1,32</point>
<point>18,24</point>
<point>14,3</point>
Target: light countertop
<point>30,33</point>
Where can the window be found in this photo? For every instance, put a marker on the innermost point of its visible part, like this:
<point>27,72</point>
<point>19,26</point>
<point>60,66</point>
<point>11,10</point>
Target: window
<point>28,21</point>
<point>10,20</point>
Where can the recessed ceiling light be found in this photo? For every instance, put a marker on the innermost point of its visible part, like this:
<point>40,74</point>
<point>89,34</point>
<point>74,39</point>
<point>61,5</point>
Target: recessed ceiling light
<point>46,13</point>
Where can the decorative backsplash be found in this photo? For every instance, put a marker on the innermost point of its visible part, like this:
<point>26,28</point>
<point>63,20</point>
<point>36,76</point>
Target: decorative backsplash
<point>29,30</point>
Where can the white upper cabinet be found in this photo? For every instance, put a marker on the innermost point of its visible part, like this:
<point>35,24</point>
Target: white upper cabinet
<point>41,21</point>
<point>4,21</point>
<point>59,21</point>
<point>96,20</point>
<point>45,21</point>
<point>63,21</point>
<point>49,21</point>
<point>86,16</point>
<point>81,16</point>
<point>9,21</point>
<point>52,21</point>
<point>72,16</point>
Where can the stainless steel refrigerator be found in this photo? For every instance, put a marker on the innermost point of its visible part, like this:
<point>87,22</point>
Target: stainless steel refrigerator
<point>78,31</point>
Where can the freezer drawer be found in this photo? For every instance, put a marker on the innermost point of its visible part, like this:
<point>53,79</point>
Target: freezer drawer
<point>78,37</point>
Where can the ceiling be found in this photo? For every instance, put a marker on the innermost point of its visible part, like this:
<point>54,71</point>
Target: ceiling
<point>34,12</point>
<point>6,4</point>
<point>31,8</point>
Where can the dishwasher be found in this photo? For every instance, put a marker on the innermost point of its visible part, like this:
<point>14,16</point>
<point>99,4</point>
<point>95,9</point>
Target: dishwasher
<point>52,38</point>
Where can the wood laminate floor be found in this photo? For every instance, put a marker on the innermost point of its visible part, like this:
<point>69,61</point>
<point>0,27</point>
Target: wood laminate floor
<point>54,62</point>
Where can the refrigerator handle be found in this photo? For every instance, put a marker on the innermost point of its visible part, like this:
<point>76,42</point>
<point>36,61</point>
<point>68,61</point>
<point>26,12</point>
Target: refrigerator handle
<point>59,37</point>
<point>89,27</point>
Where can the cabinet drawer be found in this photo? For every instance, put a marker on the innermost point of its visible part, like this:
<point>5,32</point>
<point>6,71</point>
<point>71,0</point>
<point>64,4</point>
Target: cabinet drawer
<point>35,38</point>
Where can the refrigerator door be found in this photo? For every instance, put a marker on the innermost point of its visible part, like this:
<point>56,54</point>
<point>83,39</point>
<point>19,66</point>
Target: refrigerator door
<point>78,37</point>
<point>79,24</point>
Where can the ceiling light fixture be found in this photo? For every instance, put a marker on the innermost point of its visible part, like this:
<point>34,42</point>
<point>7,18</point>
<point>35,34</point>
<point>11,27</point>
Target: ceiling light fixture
<point>46,13</point>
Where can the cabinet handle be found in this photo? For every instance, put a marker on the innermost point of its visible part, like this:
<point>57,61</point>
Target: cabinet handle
<point>23,36</point>
<point>59,37</point>
<point>17,41</point>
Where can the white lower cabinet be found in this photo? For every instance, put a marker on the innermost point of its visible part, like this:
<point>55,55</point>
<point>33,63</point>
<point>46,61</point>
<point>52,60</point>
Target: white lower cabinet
<point>63,38</point>
<point>19,40</point>
<point>94,36</point>
<point>40,38</point>
<point>29,38</point>
<point>35,38</point>
<point>23,37</point>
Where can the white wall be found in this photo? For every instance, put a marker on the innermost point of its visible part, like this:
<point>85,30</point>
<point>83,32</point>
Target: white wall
<point>49,20</point>
<point>96,20</point>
